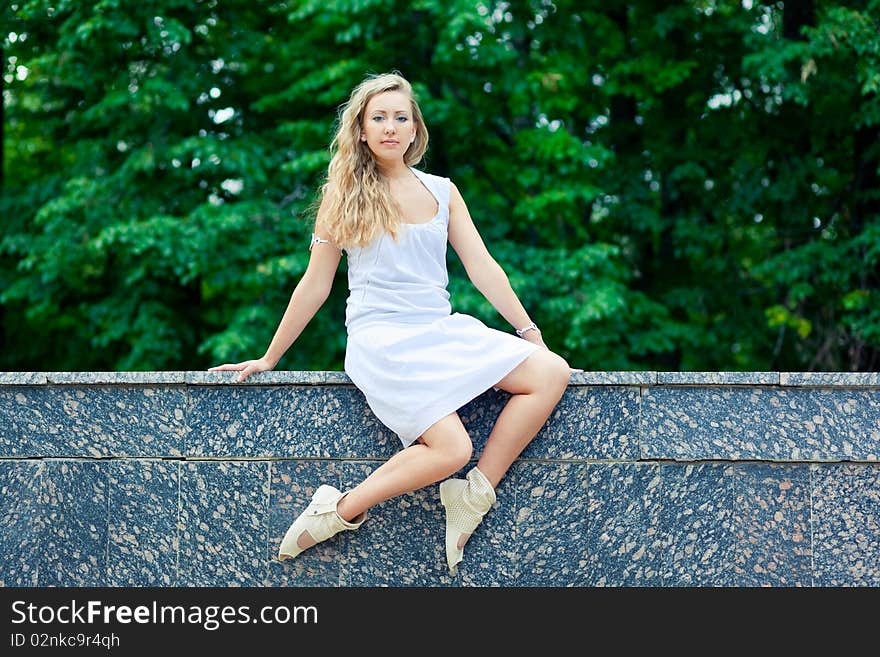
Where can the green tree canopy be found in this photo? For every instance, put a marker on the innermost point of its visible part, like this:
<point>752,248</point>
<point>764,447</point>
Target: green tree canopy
<point>678,186</point>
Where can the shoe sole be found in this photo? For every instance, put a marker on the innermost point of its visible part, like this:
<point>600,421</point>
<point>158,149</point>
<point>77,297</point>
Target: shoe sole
<point>444,494</point>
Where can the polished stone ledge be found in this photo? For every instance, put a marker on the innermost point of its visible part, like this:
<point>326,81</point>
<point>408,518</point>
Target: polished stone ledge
<point>111,378</point>
<point>23,378</point>
<point>326,377</point>
<point>830,379</point>
<point>718,378</point>
<point>335,377</point>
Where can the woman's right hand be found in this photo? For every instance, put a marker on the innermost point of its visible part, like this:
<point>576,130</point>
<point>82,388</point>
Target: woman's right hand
<point>246,368</point>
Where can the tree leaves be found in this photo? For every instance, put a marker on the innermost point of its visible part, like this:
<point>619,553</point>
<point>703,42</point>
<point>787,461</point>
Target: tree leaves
<point>668,186</point>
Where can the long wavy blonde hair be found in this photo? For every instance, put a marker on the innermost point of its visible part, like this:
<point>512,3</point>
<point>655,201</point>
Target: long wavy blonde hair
<point>358,199</point>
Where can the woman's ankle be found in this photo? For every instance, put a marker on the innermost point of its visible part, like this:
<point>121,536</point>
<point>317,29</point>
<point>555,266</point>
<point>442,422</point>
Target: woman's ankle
<point>346,510</point>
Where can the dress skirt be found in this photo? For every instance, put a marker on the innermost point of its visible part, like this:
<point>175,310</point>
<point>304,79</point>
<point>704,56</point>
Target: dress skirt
<point>413,375</point>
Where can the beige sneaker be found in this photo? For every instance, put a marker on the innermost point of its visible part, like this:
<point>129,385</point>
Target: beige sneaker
<point>466,502</point>
<point>317,523</point>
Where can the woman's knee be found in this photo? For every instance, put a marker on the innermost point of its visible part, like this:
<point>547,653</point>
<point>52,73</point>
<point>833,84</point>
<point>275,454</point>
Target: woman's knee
<point>543,370</point>
<point>460,454</point>
<point>450,439</point>
<point>554,373</point>
<point>559,371</point>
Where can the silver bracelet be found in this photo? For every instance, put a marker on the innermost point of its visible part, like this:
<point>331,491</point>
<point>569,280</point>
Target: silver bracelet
<point>531,327</point>
<point>317,240</point>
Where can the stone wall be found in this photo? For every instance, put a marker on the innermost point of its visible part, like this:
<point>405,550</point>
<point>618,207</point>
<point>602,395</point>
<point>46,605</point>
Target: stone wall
<point>637,479</point>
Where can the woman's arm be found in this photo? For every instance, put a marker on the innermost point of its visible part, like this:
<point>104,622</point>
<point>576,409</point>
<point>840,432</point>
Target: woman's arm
<point>308,296</point>
<point>482,269</point>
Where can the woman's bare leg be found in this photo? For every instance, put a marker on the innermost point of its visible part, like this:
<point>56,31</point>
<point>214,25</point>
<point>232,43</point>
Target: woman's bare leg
<point>537,384</point>
<point>442,450</point>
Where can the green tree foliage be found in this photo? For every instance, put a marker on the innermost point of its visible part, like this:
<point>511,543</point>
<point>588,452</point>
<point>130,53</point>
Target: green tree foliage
<point>679,186</point>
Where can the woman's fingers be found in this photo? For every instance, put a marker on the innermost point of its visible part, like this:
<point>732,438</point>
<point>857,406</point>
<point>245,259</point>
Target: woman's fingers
<point>226,367</point>
<point>246,368</point>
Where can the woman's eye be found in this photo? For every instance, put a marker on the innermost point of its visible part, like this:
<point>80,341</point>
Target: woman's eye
<point>402,118</point>
<point>379,118</point>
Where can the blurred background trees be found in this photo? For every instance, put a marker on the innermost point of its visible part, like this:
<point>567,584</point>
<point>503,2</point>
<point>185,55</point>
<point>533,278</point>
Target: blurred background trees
<point>687,185</point>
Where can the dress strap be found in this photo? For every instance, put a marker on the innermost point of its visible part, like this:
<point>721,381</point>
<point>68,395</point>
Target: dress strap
<point>441,188</point>
<point>445,191</point>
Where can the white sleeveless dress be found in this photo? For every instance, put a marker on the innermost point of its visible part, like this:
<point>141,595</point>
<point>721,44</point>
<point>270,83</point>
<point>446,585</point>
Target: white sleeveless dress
<point>414,360</point>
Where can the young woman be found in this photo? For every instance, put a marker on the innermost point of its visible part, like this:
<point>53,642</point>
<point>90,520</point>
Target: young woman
<point>415,361</point>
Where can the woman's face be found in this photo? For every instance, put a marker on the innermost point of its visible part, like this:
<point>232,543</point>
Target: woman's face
<point>388,127</point>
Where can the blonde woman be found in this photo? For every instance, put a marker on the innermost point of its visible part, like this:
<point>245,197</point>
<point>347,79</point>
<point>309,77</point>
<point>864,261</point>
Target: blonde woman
<point>415,361</point>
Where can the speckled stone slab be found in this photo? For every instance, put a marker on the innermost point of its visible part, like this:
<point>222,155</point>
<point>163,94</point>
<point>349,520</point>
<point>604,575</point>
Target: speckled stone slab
<point>718,378</point>
<point>401,543</point>
<point>21,521</point>
<point>338,377</point>
<point>285,422</point>
<point>24,429</point>
<point>625,546</point>
<point>336,422</point>
<point>74,504</point>
<point>863,407</point>
<point>590,423</point>
<point>697,524</point>
<point>292,485</point>
<point>551,524</point>
<point>855,379</point>
<point>619,378</point>
<point>22,378</point>
<point>115,378</point>
<point>772,515</point>
<point>223,523</point>
<point>308,377</point>
<point>93,421</point>
<point>143,531</point>
<point>846,525</point>
<point>777,424</point>
<point>556,523</point>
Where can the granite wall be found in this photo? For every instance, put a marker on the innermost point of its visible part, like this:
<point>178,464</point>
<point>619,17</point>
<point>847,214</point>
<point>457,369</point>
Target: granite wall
<point>637,479</point>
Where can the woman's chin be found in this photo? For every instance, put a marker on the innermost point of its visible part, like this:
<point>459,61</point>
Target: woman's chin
<point>387,158</point>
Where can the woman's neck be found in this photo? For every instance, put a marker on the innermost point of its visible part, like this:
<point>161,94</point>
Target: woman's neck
<point>394,171</point>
